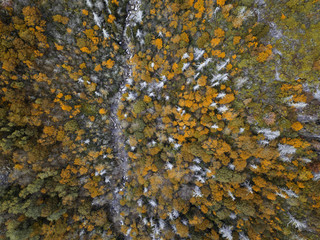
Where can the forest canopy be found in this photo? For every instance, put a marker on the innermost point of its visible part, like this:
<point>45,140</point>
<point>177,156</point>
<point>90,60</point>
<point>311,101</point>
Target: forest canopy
<point>185,119</point>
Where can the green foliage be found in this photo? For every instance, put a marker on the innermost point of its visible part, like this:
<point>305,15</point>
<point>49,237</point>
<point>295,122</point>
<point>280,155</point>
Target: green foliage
<point>138,125</point>
<point>18,231</point>
<point>89,109</point>
<point>32,188</point>
<point>223,214</point>
<point>247,3</point>
<point>226,175</point>
<point>260,30</point>
<point>56,215</point>
<point>71,126</point>
<point>203,40</point>
<point>246,208</point>
<point>84,208</point>
<point>139,106</point>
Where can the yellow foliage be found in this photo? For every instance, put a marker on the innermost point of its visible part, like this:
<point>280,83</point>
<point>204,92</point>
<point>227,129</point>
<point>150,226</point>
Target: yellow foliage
<point>236,40</point>
<point>215,42</point>
<point>18,166</point>
<point>92,188</point>
<point>66,107</point>
<point>219,33</point>
<point>60,135</point>
<point>111,18</point>
<point>271,196</point>
<point>227,99</point>
<point>158,43</point>
<point>132,155</point>
<point>204,209</point>
<point>109,63</point>
<point>147,99</point>
<point>184,37</point>
<point>102,111</point>
<point>216,52</point>
<point>154,151</point>
<point>115,2</point>
<point>60,19</point>
<point>152,11</point>
<point>67,97</point>
<point>85,49</point>
<point>299,98</point>
<point>221,2</point>
<point>49,130</point>
<point>176,39</point>
<point>65,174</point>
<point>259,181</point>
<point>296,142</point>
<point>297,126</point>
<point>31,15</point>
<point>174,66</point>
<point>196,220</point>
<point>202,81</point>
<point>240,164</point>
<point>98,68</point>
<point>83,170</point>
<point>60,95</point>
<point>199,5</point>
<point>182,230</point>
<point>222,55</point>
<point>264,55</point>
<point>82,65</point>
<point>190,2</point>
<point>78,161</point>
<point>58,47</point>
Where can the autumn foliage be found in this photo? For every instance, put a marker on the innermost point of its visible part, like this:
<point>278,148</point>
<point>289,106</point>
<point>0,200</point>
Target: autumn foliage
<point>159,120</point>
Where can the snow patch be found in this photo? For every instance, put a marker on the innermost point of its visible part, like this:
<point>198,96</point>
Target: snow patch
<point>205,63</point>
<point>269,134</point>
<point>226,232</point>
<point>285,150</point>
<point>97,19</point>
<point>89,4</point>
<point>198,53</point>
<point>296,223</point>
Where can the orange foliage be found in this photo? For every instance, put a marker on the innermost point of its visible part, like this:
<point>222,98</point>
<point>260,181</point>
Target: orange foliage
<point>158,43</point>
<point>297,126</point>
<point>60,19</point>
<point>202,81</point>
<point>147,99</point>
<point>265,54</point>
<point>58,47</point>
<point>215,42</point>
<point>227,99</point>
<point>109,63</point>
<point>219,33</point>
<point>98,68</point>
<point>221,2</point>
<point>111,18</point>
<point>260,182</point>
<point>102,111</point>
<point>49,130</point>
<point>184,37</point>
<point>236,39</point>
